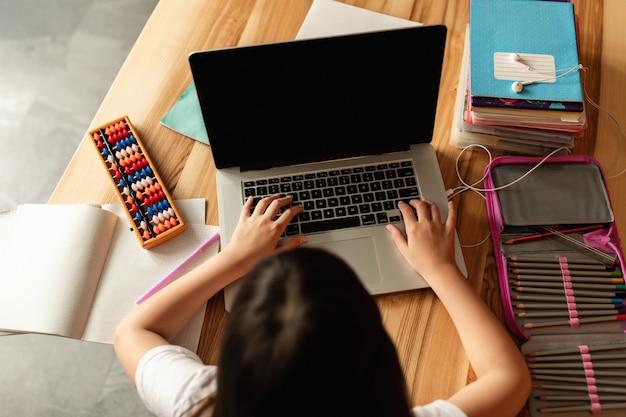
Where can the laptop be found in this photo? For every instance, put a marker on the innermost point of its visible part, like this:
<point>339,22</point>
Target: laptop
<point>342,123</point>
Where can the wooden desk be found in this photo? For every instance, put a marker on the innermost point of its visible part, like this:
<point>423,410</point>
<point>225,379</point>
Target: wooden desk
<point>156,73</point>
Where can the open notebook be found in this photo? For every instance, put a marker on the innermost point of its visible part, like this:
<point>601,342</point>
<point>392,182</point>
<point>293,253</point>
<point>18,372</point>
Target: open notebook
<point>75,270</point>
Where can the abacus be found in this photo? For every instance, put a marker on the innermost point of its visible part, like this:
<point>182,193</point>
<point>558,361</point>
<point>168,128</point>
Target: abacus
<point>148,204</point>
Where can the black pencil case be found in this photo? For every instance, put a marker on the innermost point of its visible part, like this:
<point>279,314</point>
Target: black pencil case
<point>559,263</point>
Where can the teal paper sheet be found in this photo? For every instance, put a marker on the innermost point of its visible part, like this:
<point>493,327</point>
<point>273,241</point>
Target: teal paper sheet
<point>185,116</point>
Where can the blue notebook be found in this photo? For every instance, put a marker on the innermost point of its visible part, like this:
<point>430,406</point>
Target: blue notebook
<point>544,31</point>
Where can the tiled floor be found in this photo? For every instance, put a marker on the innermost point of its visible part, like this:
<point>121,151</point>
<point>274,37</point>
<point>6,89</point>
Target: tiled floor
<point>57,61</point>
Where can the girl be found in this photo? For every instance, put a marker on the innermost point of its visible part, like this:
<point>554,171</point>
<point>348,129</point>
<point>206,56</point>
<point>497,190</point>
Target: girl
<point>304,337</point>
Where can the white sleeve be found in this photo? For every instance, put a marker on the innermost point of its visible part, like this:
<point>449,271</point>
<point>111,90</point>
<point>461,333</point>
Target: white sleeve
<point>172,380</point>
<point>438,408</point>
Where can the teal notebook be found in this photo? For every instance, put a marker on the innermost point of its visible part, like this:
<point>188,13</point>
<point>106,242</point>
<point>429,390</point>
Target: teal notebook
<point>543,33</point>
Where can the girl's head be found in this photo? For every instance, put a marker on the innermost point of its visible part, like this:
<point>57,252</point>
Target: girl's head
<point>304,337</point>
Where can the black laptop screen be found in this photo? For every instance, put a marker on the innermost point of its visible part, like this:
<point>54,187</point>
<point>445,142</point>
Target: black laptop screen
<point>312,100</point>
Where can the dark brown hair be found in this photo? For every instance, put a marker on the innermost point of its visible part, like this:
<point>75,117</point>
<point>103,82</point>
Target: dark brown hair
<point>305,338</point>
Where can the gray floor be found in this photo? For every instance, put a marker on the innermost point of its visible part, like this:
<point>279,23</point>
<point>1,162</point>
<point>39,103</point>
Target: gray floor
<point>57,61</point>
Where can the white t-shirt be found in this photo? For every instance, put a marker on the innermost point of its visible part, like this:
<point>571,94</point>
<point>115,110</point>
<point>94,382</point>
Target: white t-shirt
<point>173,381</point>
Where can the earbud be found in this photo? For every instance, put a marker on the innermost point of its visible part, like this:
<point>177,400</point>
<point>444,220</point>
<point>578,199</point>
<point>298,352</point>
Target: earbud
<point>518,86</point>
<point>517,60</point>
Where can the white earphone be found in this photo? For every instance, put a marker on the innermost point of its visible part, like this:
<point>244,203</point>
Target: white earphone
<point>517,60</point>
<point>518,86</point>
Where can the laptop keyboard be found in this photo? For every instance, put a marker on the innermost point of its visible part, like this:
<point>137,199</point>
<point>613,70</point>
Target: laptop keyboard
<point>363,195</point>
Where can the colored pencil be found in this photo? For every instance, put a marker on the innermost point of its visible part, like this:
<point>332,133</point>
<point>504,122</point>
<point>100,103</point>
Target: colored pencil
<point>562,299</point>
<point>525,271</point>
<point>575,285</point>
<point>175,272</point>
<point>575,243</point>
<point>605,406</point>
<point>578,364</point>
<point>572,278</point>
<point>517,258</point>
<point>576,357</point>
<point>591,348</point>
<point>578,372</point>
<point>561,305</point>
<point>602,398</point>
<point>557,266</point>
<point>550,233</point>
<point>562,313</point>
<point>600,319</point>
<point>585,293</point>
<point>577,380</point>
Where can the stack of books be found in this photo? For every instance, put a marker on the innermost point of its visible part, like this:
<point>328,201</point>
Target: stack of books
<point>520,86</point>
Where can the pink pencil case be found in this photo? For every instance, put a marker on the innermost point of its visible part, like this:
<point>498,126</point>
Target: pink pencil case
<point>559,263</point>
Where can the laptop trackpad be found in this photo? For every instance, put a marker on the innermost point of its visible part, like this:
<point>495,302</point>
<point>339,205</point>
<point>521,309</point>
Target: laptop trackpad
<point>360,254</point>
